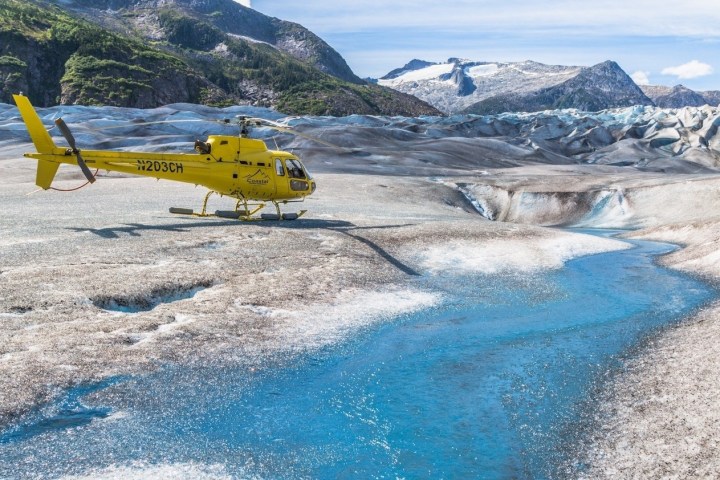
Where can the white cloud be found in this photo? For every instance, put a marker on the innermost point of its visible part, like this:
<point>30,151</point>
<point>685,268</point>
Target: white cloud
<point>693,69</point>
<point>640,77</point>
<point>245,3</point>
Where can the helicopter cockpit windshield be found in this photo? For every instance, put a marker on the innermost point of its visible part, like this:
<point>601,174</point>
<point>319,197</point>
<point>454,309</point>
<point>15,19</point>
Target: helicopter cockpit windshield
<point>295,169</point>
<point>298,176</point>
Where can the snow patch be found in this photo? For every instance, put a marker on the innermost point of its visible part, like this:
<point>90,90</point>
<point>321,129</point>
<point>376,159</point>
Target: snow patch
<point>250,39</point>
<point>483,70</point>
<point>320,325</point>
<point>433,72</point>
<point>515,255</point>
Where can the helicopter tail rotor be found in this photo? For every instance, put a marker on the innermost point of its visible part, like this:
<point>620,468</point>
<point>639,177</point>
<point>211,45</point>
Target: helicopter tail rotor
<point>71,142</point>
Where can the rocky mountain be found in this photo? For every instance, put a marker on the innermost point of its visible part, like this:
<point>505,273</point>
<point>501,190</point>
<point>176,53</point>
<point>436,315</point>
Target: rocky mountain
<point>169,20</point>
<point>679,96</point>
<point>457,84</point>
<point>712,97</point>
<point>481,87</point>
<point>595,88</point>
<point>146,53</point>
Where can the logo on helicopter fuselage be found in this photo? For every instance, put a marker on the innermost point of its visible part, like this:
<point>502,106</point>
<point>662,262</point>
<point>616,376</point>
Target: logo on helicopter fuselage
<point>258,178</point>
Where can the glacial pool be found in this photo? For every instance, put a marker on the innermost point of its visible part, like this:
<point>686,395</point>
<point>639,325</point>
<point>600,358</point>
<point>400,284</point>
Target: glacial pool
<point>495,383</point>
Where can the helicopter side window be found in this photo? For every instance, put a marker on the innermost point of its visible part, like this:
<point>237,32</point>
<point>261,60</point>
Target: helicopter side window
<point>202,147</point>
<point>294,168</point>
<point>279,167</point>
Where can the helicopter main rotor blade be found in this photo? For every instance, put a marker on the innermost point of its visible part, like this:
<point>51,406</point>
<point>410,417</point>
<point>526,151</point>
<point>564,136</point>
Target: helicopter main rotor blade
<point>71,142</point>
<point>240,121</point>
<point>283,128</point>
<point>308,137</point>
<point>158,122</point>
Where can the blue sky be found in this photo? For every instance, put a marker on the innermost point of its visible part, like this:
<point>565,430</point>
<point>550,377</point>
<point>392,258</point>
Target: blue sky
<point>662,41</point>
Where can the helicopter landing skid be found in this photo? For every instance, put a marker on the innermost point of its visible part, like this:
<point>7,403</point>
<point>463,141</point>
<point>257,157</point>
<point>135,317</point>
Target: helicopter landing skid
<point>245,213</point>
<point>239,215</point>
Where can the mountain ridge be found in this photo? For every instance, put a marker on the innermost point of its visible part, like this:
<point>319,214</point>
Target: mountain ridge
<point>595,88</point>
<point>457,84</point>
<point>466,86</point>
<point>680,96</point>
<point>230,17</point>
<point>147,53</point>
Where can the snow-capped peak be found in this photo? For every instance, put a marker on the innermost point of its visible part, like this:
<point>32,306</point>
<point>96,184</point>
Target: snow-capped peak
<point>430,73</point>
<point>459,83</point>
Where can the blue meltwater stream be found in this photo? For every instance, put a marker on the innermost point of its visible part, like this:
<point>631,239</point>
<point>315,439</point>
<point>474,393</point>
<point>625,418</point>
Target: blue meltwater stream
<point>495,383</point>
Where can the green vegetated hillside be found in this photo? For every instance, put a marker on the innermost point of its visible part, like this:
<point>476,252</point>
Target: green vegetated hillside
<point>55,58</point>
<point>139,56</point>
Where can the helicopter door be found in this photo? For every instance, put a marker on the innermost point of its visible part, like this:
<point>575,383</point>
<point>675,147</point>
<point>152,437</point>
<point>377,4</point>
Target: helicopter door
<point>279,169</point>
<point>282,186</point>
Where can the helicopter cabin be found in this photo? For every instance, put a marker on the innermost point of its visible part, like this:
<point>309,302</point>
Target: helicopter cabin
<point>258,172</point>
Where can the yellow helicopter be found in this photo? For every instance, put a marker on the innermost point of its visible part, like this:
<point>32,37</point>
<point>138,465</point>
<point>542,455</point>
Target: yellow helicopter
<point>235,166</point>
